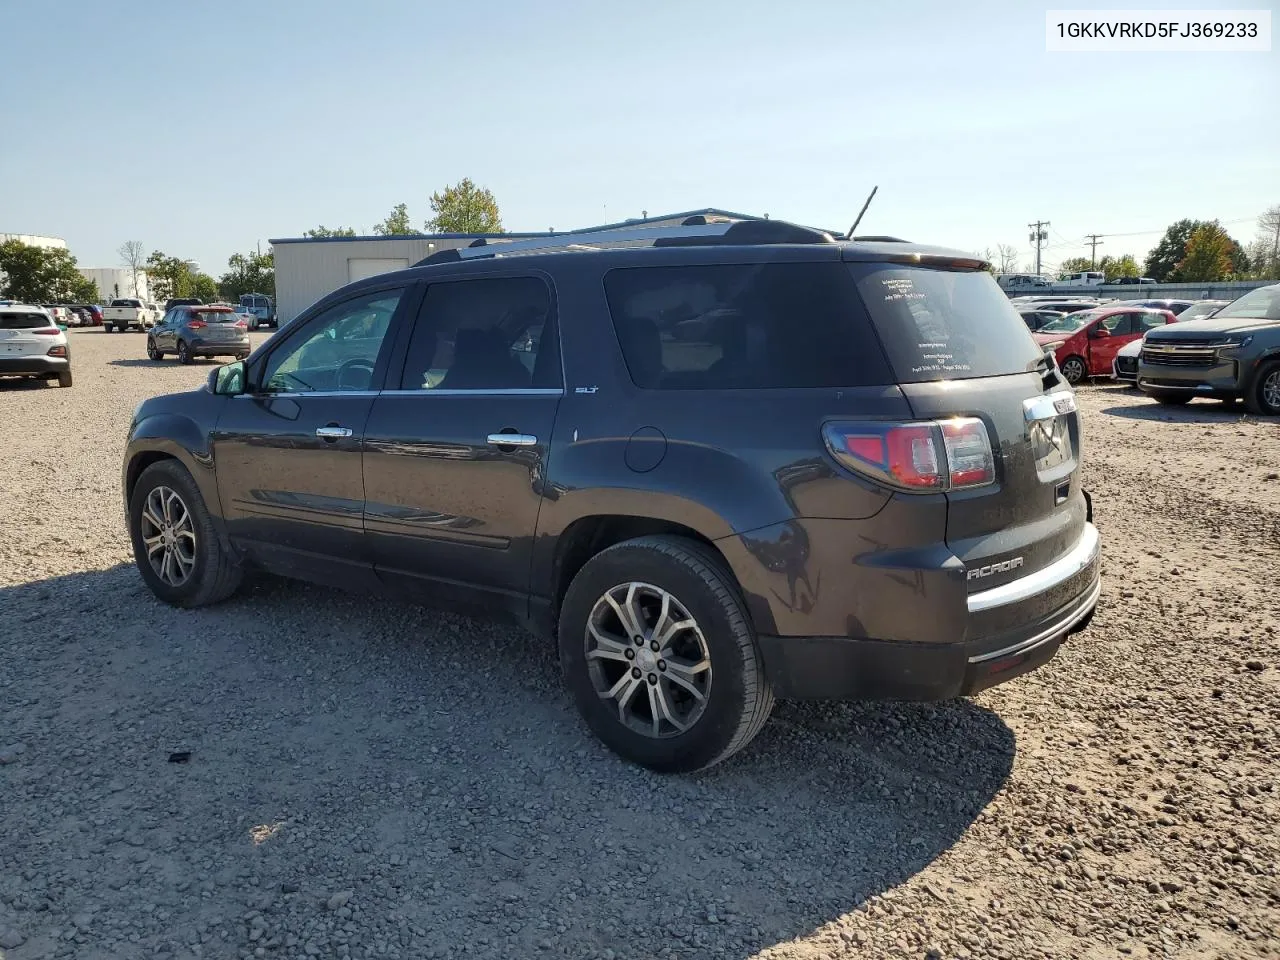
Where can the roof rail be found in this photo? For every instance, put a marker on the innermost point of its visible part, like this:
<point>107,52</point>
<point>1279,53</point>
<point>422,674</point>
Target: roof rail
<point>698,230</point>
<point>877,239</point>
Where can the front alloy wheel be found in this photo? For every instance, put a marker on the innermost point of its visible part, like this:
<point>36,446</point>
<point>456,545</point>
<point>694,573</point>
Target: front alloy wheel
<point>1264,398</point>
<point>1074,370</point>
<point>169,536</point>
<point>646,655</point>
<point>152,350</point>
<point>184,352</point>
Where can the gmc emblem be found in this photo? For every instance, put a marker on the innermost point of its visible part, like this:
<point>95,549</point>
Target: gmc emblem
<point>1004,566</point>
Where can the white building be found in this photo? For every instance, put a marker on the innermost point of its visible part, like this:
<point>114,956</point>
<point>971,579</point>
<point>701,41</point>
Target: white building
<point>116,282</point>
<point>33,240</point>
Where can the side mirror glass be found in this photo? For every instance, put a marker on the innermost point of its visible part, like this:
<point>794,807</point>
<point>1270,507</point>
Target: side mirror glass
<point>1100,333</point>
<point>227,380</point>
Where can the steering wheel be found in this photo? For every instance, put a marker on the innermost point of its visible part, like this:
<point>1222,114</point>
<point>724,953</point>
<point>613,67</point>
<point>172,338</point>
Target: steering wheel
<point>353,364</point>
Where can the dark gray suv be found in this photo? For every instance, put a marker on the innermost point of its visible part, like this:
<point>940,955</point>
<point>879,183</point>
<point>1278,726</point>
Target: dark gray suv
<point>720,461</point>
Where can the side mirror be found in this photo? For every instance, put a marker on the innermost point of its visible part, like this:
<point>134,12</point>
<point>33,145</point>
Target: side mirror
<point>1100,332</point>
<point>227,380</point>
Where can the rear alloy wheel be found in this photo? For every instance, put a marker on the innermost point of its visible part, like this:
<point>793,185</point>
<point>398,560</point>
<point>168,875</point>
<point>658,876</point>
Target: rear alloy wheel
<point>660,657</point>
<point>152,350</point>
<point>1074,370</point>
<point>1263,399</point>
<point>175,546</point>
<point>184,353</point>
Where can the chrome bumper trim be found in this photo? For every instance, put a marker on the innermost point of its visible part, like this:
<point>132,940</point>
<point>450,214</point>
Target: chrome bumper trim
<point>1078,613</point>
<point>1076,559</point>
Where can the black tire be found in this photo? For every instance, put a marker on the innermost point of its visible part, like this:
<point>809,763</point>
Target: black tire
<point>738,699</point>
<point>1170,399</point>
<point>153,351</point>
<point>184,353</point>
<point>1075,370</point>
<point>64,379</point>
<point>107,328</point>
<point>216,573</point>
<point>1263,397</point>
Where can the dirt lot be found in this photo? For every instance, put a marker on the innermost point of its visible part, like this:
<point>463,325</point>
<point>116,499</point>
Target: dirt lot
<point>375,780</point>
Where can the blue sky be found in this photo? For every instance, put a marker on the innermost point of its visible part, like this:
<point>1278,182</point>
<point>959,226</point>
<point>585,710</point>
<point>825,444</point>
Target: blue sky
<point>204,128</point>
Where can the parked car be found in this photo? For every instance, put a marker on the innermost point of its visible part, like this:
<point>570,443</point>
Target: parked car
<point>1023,281</point>
<point>1084,278</point>
<point>1128,281</point>
<point>1173,306</point>
<point>1125,366</point>
<point>1085,343</point>
<point>61,315</point>
<point>90,314</point>
<point>32,344</point>
<point>1061,305</point>
<point>182,302</point>
<point>1200,309</point>
<point>127,313</point>
<point>1035,319</point>
<point>259,306</point>
<point>1235,354</point>
<point>199,331</point>
<point>652,500</point>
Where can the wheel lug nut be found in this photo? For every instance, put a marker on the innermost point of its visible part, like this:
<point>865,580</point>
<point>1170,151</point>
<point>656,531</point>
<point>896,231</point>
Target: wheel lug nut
<point>639,641</point>
<point>635,672</point>
<point>653,678</point>
<point>629,653</point>
<point>654,646</point>
<point>662,665</point>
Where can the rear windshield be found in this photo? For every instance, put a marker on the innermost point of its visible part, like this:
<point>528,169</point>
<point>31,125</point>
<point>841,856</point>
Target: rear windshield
<point>753,326</point>
<point>1262,304</point>
<point>24,321</point>
<point>213,316</point>
<point>125,303</point>
<point>944,324</point>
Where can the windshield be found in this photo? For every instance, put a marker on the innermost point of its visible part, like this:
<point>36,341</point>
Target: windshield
<point>1068,324</point>
<point>1198,311</point>
<point>944,324</point>
<point>1261,304</point>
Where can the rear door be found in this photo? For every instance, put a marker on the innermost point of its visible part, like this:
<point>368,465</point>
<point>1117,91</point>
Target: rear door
<point>958,348</point>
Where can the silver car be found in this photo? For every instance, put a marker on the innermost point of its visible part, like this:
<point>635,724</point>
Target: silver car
<point>192,331</point>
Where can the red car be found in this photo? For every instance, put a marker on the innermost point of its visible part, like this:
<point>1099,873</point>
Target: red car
<point>1085,343</point>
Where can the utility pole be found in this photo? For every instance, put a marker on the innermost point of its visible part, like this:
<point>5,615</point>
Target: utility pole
<point>1038,236</point>
<point>1094,239</point>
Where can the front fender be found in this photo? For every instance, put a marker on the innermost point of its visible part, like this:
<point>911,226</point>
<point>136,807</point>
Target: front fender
<point>174,436</point>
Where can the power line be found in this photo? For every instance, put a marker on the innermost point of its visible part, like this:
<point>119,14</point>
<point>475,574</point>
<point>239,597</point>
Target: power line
<point>1094,239</point>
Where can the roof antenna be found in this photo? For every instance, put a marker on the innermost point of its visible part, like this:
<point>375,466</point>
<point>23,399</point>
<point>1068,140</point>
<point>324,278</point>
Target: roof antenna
<point>862,212</point>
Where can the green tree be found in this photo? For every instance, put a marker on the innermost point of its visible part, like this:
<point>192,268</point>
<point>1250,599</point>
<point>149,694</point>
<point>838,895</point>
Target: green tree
<point>204,287</point>
<point>250,272</point>
<point>1171,249</point>
<point>1074,265</point>
<point>464,208</point>
<point>397,223</point>
<point>1116,267</point>
<point>323,231</point>
<point>1207,258</point>
<point>170,276</point>
<point>42,275</point>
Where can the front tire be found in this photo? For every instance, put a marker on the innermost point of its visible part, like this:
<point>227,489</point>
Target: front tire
<point>1263,398</point>
<point>692,691</point>
<point>184,353</point>
<point>152,350</point>
<point>175,545</point>
<point>1074,369</point>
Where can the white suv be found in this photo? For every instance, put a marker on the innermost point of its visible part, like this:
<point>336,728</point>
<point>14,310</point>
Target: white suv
<point>32,345</point>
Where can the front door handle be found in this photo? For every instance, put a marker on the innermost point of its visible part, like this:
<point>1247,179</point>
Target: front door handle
<point>512,440</point>
<point>332,432</point>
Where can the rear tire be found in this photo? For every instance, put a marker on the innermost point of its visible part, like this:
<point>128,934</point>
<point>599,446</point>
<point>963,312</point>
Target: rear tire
<point>214,573</point>
<point>64,379</point>
<point>184,353</point>
<point>1263,398</point>
<point>1171,399</point>
<point>107,328</point>
<point>709,713</point>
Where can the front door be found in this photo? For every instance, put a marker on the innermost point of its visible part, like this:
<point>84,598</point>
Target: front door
<point>287,453</point>
<point>455,458</point>
<point>1122,327</point>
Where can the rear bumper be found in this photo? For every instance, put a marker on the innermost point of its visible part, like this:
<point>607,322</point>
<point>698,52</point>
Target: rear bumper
<point>34,366</point>
<point>860,669</point>
<point>219,348</point>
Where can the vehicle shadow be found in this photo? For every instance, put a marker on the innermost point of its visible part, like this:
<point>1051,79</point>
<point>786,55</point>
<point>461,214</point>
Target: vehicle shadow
<point>142,362</point>
<point>347,743</point>
<point>1207,411</point>
<point>14,384</point>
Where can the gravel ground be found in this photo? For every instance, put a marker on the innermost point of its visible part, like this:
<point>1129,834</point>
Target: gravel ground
<point>378,780</point>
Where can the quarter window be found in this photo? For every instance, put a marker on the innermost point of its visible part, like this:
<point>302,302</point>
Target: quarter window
<point>336,350</point>
<point>484,334</point>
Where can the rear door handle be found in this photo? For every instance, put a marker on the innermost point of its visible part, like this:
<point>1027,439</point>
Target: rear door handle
<point>512,440</point>
<point>332,432</point>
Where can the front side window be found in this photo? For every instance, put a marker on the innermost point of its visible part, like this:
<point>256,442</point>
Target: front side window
<point>1260,304</point>
<point>336,350</point>
<point>490,333</point>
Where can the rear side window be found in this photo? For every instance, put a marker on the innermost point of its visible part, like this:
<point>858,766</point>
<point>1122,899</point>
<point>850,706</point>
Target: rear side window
<point>944,324</point>
<point>754,326</point>
<point>24,321</point>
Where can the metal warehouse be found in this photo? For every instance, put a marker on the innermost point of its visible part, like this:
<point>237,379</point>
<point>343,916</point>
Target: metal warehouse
<point>307,268</point>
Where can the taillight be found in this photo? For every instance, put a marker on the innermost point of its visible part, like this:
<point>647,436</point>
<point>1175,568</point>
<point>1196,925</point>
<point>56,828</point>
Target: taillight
<point>57,351</point>
<point>242,324</point>
<point>46,332</point>
<point>197,324</point>
<point>918,457</point>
